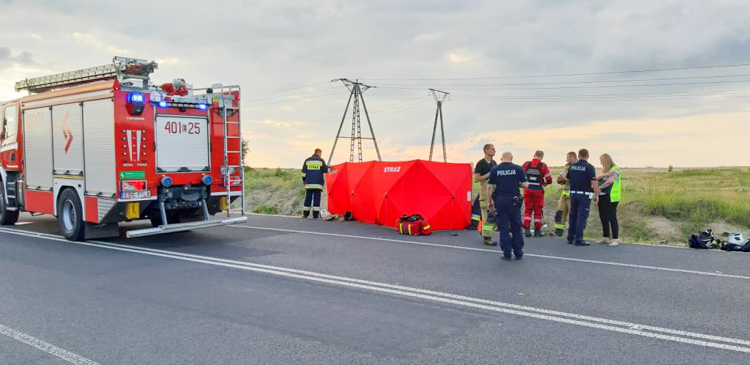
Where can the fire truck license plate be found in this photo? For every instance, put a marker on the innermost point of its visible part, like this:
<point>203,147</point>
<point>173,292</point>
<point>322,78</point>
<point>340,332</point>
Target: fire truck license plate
<point>135,194</point>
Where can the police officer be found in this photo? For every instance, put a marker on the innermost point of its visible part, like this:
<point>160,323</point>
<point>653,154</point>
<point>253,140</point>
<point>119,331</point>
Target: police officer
<point>481,174</point>
<point>583,189</point>
<point>313,171</point>
<point>505,180</point>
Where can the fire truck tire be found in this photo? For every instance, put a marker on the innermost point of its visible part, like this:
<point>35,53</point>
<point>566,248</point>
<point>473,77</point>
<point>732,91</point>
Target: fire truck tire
<point>7,217</point>
<point>70,215</point>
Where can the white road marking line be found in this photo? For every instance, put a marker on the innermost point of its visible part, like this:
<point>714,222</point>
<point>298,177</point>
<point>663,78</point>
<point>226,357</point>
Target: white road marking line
<point>448,298</point>
<point>683,271</point>
<point>46,347</point>
<point>430,292</point>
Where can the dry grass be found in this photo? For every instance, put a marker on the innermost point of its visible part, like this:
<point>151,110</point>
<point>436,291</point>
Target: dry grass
<point>658,205</point>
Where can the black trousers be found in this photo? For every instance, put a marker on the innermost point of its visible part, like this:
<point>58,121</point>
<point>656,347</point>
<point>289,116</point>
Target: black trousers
<point>608,215</point>
<point>508,221</point>
<point>580,204</point>
<point>312,203</point>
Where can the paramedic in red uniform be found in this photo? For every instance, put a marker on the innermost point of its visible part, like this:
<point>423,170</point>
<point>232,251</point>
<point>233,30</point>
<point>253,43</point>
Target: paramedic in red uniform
<point>539,177</point>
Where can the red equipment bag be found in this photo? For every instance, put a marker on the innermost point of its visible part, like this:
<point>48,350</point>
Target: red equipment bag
<point>413,225</point>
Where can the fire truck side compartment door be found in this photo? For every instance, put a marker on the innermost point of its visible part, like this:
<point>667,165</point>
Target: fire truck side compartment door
<point>37,140</point>
<point>99,135</point>
<point>181,143</point>
<point>67,139</point>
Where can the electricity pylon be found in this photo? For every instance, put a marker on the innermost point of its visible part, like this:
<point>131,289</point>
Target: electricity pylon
<point>440,97</point>
<point>356,88</point>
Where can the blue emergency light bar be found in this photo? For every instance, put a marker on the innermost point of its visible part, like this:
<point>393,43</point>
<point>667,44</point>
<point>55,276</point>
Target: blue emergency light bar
<point>136,98</point>
<point>181,105</point>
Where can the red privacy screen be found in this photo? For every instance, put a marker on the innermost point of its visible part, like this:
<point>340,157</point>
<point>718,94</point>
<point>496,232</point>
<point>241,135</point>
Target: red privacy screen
<point>380,192</point>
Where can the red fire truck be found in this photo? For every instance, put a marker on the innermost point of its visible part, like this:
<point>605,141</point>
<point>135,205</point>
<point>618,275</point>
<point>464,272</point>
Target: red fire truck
<point>104,145</point>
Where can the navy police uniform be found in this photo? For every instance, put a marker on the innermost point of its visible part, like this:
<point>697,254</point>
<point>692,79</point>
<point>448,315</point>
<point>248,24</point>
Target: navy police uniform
<point>313,171</point>
<point>580,175</point>
<point>507,178</point>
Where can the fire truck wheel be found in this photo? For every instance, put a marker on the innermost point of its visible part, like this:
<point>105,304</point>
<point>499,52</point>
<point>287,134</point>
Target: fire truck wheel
<point>7,217</point>
<point>70,215</point>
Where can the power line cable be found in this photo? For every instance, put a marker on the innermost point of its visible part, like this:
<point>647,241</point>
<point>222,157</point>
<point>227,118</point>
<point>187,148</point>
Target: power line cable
<point>573,74</point>
<point>577,82</point>
<point>576,87</point>
<point>531,100</point>
<point>295,100</point>
<point>715,92</point>
<point>380,109</point>
<point>294,88</point>
<point>289,95</point>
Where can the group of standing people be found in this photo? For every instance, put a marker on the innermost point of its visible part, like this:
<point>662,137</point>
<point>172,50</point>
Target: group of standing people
<point>500,199</point>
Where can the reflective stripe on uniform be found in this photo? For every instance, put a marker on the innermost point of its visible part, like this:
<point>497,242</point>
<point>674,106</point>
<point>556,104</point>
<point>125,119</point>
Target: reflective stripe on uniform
<point>559,226</point>
<point>566,193</point>
<point>314,165</point>
<point>316,209</point>
<point>306,209</point>
<point>314,186</point>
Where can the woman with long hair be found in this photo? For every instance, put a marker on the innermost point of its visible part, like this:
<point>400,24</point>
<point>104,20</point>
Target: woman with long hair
<point>609,197</point>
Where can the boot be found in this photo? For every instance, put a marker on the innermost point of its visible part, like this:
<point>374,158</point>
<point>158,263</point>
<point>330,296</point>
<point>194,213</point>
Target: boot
<point>559,232</point>
<point>538,232</point>
<point>527,233</point>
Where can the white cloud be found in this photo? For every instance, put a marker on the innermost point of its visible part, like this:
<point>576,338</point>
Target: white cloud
<point>271,45</point>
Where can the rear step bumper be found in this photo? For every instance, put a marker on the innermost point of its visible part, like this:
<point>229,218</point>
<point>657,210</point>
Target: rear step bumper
<point>180,227</point>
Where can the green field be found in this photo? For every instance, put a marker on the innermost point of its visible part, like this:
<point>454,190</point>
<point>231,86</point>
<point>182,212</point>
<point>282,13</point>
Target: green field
<point>658,206</point>
<point>661,206</point>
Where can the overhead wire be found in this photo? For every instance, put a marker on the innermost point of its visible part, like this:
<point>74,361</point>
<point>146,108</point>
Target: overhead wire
<point>480,87</point>
<point>283,90</point>
<point>579,82</point>
<point>391,108</point>
<point>571,74</point>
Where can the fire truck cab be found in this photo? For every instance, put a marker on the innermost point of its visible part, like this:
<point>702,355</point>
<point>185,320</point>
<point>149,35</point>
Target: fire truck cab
<point>104,145</point>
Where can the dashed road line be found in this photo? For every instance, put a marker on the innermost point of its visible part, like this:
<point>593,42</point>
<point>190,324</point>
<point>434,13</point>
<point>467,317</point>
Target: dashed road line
<point>46,347</point>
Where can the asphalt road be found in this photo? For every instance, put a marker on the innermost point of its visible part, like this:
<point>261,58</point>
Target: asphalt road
<point>291,291</point>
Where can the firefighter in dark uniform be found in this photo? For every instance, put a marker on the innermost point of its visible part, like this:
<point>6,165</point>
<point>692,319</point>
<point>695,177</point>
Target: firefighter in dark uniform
<point>505,180</point>
<point>313,171</point>
<point>583,189</point>
<point>481,174</point>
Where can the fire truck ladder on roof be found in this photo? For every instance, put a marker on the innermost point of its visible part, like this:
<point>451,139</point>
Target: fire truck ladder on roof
<point>230,178</point>
<point>119,68</point>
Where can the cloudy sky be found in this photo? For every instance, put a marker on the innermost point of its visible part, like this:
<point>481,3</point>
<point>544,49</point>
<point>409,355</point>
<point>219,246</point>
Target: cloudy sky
<point>653,83</point>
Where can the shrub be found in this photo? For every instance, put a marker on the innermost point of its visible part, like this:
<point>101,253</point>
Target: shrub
<point>265,209</point>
